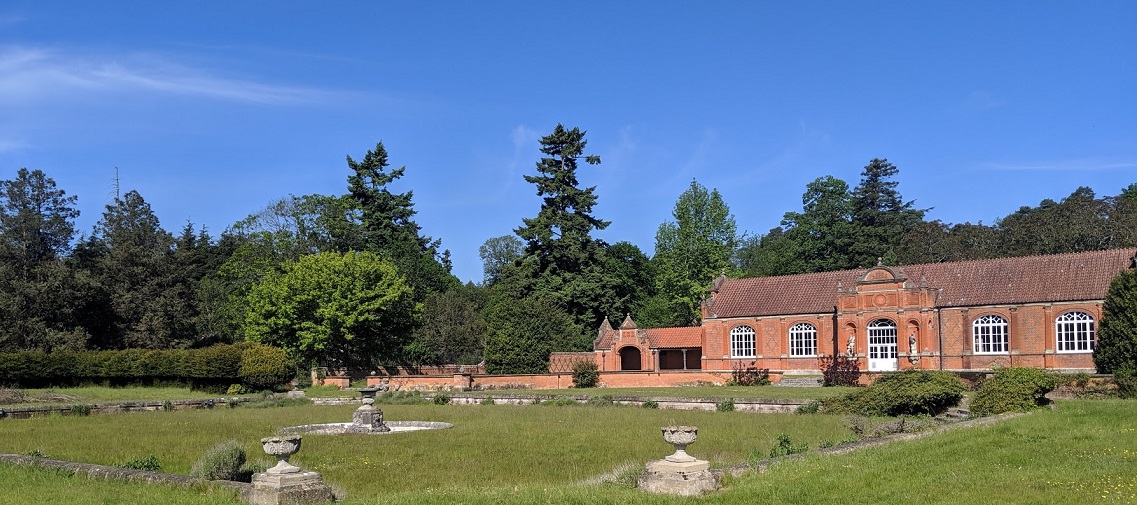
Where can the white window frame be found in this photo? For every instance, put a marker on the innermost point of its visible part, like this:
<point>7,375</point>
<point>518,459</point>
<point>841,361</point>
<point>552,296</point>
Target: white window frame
<point>1074,332</point>
<point>882,339</point>
<point>803,340</point>
<point>742,342</point>
<point>989,335</point>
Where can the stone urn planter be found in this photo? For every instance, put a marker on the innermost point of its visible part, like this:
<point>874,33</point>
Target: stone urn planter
<point>680,437</point>
<point>282,448</point>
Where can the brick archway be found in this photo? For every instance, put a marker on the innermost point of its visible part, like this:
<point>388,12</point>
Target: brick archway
<point>630,358</point>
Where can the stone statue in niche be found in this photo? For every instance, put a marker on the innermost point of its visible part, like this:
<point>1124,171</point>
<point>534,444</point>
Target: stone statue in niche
<point>851,348</point>
<point>913,350</point>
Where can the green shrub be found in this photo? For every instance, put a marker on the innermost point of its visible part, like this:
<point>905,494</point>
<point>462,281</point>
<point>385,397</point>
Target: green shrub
<point>585,374</point>
<point>785,447</point>
<point>265,367</point>
<point>726,405</point>
<point>487,400</point>
<point>238,389</point>
<point>600,401</point>
<point>911,392</point>
<point>749,376</point>
<point>441,399</point>
<point>81,409</point>
<point>813,407</point>
<point>149,463</point>
<point>1126,379</point>
<point>650,404</point>
<point>1013,389</point>
<point>840,371</point>
<point>221,462</point>
<point>167,406</point>
<point>35,453</point>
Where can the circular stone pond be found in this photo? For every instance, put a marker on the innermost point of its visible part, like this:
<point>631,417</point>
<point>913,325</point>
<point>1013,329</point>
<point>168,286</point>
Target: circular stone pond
<point>346,428</point>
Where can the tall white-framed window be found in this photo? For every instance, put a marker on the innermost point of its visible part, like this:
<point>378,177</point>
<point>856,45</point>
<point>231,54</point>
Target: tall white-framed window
<point>803,340</point>
<point>882,339</point>
<point>1075,332</point>
<point>990,335</point>
<point>742,342</point>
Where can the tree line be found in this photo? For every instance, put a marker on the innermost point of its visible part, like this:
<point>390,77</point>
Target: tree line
<point>351,280</point>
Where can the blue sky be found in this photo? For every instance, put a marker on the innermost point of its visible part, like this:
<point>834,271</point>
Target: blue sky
<point>213,109</point>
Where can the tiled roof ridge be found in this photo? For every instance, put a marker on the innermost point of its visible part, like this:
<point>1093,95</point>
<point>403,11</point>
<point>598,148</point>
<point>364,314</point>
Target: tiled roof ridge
<point>1102,252</point>
<point>914,266</point>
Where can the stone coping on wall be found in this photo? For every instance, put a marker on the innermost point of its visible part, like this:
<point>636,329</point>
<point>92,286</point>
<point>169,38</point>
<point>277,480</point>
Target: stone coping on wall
<point>757,405</point>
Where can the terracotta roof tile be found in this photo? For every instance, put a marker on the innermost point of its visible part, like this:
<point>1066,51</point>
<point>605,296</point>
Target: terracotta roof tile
<point>671,338</point>
<point>1028,279</point>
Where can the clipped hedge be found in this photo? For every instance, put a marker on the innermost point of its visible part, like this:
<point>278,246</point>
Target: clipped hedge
<point>208,368</point>
<point>911,392</point>
<point>265,367</point>
<point>1013,389</point>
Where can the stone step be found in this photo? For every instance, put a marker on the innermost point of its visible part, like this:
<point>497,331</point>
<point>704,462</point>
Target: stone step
<point>954,414</point>
<point>799,382</point>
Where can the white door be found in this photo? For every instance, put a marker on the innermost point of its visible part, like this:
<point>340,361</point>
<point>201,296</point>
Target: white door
<point>882,345</point>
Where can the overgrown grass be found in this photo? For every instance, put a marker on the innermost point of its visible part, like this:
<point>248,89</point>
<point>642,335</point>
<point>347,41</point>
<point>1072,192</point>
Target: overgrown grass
<point>22,485</point>
<point>1084,452</point>
<point>102,394</point>
<point>489,446</point>
<point>771,392</point>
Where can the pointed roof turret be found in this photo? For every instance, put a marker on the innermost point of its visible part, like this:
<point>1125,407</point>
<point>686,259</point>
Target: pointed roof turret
<point>628,323</point>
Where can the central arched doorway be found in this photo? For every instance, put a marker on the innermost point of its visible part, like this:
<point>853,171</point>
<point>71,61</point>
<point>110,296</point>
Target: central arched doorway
<point>629,358</point>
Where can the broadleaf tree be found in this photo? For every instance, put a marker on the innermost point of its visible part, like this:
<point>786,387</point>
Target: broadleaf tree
<point>334,309</point>
<point>692,250</point>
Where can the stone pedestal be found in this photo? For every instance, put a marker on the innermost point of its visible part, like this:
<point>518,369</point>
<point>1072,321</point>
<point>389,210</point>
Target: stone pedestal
<point>688,478</point>
<point>295,488</point>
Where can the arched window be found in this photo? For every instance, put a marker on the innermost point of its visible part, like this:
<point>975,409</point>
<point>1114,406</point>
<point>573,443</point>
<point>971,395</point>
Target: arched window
<point>1075,331</point>
<point>742,342</point>
<point>990,334</point>
<point>803,340</point>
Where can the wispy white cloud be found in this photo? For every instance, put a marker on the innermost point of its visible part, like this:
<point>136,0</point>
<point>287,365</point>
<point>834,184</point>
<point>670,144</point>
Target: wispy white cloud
<point>29,74</point>
<point>1080,165</point>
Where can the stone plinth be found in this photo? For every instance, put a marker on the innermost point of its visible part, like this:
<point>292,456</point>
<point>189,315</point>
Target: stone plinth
<point>688,478</point>
<point>289,489</point>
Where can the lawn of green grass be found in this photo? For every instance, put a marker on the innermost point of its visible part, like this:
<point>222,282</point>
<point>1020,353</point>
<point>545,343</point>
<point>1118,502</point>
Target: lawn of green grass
<point>101,394</point>
<point>1083,452</point>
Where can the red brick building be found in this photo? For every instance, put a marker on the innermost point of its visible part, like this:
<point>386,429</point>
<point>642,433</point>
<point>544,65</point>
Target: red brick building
<point>1037,311</point>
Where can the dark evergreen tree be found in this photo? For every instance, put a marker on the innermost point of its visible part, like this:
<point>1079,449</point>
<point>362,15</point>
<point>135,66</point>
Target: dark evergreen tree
<point>452,329</point>
<point>880,217</point>
<point>524,332</point>
<point>387,227</point>
<point>39,294</point>
<point>563,264</point>
<point>1116,347</point>
<point>135,269</point>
